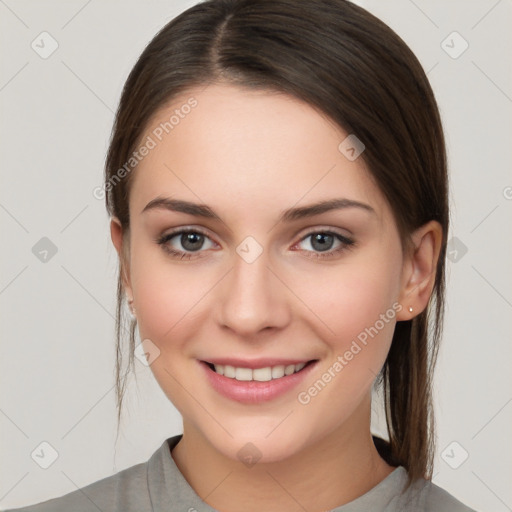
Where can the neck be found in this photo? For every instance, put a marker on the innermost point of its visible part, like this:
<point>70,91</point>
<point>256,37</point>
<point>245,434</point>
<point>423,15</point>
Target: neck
<point>327,474</point>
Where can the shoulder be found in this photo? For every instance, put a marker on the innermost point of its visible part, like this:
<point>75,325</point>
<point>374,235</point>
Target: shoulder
<point>426,496</point>
<point>438,500</point>
<point>124,491</point>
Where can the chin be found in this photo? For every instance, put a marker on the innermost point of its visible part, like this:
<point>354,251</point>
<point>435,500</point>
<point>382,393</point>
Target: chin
<point>260,445</point>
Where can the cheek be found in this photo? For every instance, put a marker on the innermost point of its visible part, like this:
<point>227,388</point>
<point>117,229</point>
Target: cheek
<point>353,298</point>
<point>360,313</point>
<point>168,299</point>
<point>165,296</point>
<point>358,304</point>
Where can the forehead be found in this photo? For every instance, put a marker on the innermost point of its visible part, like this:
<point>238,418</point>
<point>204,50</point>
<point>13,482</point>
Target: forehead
<point>259,147</point>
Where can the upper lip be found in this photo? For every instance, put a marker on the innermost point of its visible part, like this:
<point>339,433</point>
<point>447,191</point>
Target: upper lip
<point>254,363</point>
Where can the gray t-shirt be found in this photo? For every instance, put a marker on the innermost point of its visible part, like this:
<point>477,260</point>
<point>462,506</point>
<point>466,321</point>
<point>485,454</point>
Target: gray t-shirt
<point>158,486</point>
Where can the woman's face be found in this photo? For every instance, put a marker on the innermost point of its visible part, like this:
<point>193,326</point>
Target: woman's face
<point>264,281</point>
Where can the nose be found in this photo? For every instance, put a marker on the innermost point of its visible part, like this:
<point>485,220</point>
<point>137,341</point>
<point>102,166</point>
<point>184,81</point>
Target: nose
<point>252,298</point>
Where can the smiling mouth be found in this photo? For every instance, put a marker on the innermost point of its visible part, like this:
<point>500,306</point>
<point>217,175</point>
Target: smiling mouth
<point>265,374</point>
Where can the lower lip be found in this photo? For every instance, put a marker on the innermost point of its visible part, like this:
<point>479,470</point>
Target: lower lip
<point>253,392</point>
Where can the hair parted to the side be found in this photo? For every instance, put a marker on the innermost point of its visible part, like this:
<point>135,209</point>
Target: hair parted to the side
<point>351,66</point>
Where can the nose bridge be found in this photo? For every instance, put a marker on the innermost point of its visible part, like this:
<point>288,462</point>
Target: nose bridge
<point>252,298</point>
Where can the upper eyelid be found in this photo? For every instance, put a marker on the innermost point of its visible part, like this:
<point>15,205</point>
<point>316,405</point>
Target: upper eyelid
<point>325,229</point>
<point>187,229</point>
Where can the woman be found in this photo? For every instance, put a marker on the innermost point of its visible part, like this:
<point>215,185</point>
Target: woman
<point>277,185</point>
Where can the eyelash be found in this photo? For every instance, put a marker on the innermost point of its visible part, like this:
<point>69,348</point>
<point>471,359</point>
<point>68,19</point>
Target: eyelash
<point>347,244</point>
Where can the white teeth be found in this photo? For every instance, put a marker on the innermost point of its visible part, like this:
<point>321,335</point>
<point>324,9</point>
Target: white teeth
<point>277,372</point>
<point>229,371</point>
<point>243,374</point>
<point>262,374</point>
<point>299,366</point>
<point>288,370</point>
<point>258,374</point>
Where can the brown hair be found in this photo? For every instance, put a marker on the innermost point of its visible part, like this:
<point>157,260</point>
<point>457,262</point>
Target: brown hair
<point>344,61</point>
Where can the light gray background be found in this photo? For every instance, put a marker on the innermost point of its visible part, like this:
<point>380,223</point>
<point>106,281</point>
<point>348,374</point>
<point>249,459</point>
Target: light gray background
<point>57,325</point>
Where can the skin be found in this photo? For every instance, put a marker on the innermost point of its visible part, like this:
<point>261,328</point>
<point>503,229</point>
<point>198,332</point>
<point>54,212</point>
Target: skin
<point>249,155</point>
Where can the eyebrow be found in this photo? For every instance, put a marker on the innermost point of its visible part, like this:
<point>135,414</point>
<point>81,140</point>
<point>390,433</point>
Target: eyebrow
<point>202,210</point>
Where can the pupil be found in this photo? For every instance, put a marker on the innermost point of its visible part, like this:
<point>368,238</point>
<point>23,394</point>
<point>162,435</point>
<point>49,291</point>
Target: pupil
<point>320,238</point>
<point>188,239</point>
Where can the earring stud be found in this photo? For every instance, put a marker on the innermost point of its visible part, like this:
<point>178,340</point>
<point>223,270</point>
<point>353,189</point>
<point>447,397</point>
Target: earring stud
<point>410,309</point>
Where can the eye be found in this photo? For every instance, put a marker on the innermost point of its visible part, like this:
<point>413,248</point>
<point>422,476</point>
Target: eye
<point>323,241</point>
<point>192,240</point>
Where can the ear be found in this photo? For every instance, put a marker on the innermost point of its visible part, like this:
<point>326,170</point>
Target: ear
<point>121,243</point>
<point>419,270</point>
